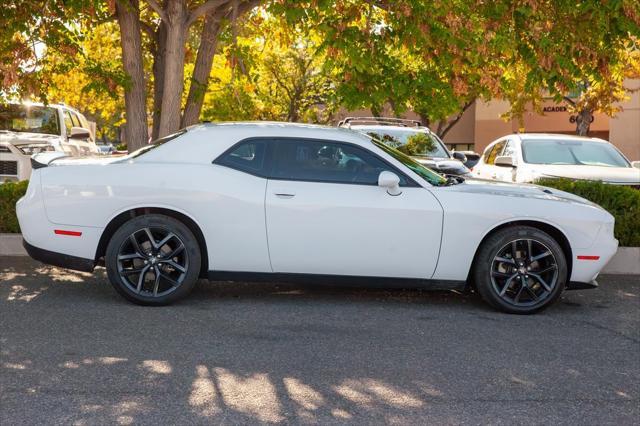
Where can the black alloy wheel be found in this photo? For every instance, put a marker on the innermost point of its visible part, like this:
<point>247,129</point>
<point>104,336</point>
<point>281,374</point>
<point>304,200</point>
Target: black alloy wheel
<point>153,260</point>
<point>520,269</point>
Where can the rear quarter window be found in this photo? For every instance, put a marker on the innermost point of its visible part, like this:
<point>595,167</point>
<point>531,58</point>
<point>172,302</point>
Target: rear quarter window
<point>247,156</point>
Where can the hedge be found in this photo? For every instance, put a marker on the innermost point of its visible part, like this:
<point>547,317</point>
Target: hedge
<point>622,202</point>
<point>10,192</point>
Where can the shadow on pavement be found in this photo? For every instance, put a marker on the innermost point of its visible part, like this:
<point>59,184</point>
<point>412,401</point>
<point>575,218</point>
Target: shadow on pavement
<point>73,351</point>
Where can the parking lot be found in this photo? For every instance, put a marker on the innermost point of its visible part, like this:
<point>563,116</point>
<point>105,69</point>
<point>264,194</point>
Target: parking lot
<point>73,351</point>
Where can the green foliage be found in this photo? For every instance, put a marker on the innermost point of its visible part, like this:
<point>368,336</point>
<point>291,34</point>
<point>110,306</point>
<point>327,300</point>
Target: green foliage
<point>418,144</point>
<point>95,85</point>
<point>34,30</point>
<point>271,70</point>
<point>10,193</point>
<point>621,201</point>
<point>436,57</point>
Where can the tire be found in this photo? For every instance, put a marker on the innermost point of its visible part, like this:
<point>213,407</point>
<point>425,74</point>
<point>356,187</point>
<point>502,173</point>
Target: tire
<point>169,266</point>
<point>524,283</point>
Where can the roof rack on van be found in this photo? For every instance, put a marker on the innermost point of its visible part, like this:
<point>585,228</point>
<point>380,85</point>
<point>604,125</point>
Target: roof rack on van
<point>385,121</point>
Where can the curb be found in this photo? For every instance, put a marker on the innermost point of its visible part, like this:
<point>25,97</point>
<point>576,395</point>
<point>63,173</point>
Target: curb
<point>11,245</point>
<point>625,262</point>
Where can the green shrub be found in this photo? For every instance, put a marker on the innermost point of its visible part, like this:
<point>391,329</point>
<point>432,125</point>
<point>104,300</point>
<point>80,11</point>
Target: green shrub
<point>621,201</point>
<point>10,192</point>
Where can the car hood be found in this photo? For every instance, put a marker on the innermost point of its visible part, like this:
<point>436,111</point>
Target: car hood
<point>21,138</point>
<point>523,190</point>
<point>615,175</point>
<point>443,165</point>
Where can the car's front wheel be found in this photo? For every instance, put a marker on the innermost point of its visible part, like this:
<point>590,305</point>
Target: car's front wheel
<point>153,260</point>
<point>520,269</point>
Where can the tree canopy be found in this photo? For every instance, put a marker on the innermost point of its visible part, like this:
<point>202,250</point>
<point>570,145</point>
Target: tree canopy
<point>179,61</point>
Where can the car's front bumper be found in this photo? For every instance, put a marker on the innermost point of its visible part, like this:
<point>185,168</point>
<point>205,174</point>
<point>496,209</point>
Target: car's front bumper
<point>14,165</point>
<point>588,262</point>
<point>577,285</point>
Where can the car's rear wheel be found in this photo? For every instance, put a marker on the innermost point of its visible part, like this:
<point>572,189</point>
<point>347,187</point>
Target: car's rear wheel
<point>153,260</point>
<point>520,270</point>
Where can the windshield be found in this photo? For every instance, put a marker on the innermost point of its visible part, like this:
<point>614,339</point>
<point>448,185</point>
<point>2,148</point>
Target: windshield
<point>414,142</point>
<point>427,174</point>
<point>29,118</point>
<point>571,152</point>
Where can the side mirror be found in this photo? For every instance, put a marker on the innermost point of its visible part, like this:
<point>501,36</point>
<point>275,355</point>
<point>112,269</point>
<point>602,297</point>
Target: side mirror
<point>635,164</point>
<point>79,133</point>
<point>459,156</point>
<point>390,181</point>
<point>505,161</point>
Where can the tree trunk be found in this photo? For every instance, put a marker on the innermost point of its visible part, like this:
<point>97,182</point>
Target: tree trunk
<point>128,14</point>
<point>158,77</point>
<point>173,86</point>
<point>424,119</point>
<point>583,122</point>
<point>201,70</point>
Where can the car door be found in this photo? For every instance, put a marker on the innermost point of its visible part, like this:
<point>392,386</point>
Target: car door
<point>325,214</point>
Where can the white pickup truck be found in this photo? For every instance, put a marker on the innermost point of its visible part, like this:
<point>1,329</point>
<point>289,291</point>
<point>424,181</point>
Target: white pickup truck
<point>27,129</point>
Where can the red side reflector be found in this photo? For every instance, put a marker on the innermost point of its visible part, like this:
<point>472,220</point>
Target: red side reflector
<point>588,257</point>
<point>69,233</point>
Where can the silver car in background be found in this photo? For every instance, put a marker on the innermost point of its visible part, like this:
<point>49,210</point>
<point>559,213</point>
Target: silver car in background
<point>396,132</point>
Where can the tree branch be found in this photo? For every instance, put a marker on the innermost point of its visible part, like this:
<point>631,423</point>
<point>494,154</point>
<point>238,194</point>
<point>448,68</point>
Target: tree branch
<point>443,131</point>
<point>203,9</point>
<point>157,8</point>
<point>569,101</point>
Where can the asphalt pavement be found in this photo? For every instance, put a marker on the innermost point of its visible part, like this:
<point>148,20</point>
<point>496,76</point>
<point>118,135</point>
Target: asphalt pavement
<point>74,352</point>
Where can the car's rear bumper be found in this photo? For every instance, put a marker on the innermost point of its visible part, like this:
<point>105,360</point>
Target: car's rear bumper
<point>59,259</point>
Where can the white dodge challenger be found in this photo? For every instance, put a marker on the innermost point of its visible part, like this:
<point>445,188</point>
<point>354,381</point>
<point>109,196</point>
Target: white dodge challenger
<point>256,201</point>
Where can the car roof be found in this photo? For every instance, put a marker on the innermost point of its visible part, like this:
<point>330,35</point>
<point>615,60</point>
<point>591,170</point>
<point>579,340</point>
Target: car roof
<point>40,104</point>
<point>383,127</point>
<point>208,140</point>
<point>280,129</point>
<point>280,126</point>
<point>541,136</point>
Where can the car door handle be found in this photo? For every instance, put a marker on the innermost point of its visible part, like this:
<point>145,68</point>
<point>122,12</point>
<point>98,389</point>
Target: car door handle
<point>284,194</point>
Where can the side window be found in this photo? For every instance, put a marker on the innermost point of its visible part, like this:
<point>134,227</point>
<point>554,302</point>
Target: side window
<point>75,119</point>
<point>510,149</point>
<point>83,122</point>
<point>68,123</point>
<point>247,157</point>
<point>487,153</point>
<point>325,161</point>
<point>497,149</point>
